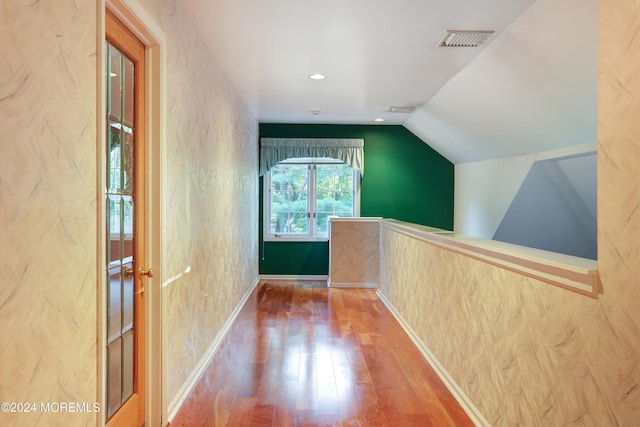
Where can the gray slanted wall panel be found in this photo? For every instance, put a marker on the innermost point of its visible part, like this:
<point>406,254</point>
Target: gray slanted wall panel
<point>555,208</point>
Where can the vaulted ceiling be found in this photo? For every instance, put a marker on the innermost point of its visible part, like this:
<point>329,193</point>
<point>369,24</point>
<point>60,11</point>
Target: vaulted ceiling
<point>531,87</point>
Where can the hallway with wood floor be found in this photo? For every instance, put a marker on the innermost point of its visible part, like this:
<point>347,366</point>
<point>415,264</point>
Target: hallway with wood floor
<point>301,354</point>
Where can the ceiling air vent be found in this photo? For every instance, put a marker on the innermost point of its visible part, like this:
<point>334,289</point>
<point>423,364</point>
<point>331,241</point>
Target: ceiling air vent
<point>401,109</point>
<point>455,38</point>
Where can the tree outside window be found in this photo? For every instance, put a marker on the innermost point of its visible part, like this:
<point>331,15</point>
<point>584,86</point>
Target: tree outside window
<point>302,197</point>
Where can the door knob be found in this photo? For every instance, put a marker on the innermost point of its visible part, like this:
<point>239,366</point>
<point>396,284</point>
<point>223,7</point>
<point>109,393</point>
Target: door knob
<point>148,273</point>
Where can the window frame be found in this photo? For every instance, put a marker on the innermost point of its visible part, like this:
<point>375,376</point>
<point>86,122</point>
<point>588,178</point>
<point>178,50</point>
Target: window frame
<point>312,235</point>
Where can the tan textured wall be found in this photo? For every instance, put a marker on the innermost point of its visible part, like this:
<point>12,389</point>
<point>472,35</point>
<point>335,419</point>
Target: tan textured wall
<point>47,207</point>
<point>525,352</point>
<point>211,195</point>
<point>354,252</point>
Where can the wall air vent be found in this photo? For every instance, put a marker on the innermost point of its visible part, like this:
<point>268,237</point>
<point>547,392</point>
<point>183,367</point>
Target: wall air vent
<point>455,38</point>
<point>401,109</point>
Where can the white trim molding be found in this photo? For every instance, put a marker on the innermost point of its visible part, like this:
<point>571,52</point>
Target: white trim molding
<point>467,405</point>
<point>203,363</point>
<point>569,272</point>
<point>313,230</point>
<point>293,278</point>
<point>356,219</point>
<point>353,285</point>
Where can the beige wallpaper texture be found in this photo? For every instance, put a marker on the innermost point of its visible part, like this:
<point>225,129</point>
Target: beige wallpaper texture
<point>211,241</point>
<point>354,252</point>
<point>525,352</point>
<point>47,208</point>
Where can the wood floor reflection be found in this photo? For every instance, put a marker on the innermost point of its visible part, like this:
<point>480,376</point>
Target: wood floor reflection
<point>300,354</point>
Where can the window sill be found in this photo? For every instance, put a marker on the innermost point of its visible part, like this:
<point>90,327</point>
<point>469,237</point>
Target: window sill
<point>295,239</point>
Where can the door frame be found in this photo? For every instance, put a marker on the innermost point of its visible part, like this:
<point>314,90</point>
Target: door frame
<point>140,23</point>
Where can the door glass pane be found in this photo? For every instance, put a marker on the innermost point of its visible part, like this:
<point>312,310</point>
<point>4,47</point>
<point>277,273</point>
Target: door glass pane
<point>127,160</point>
<point>127,92</point>
<point>114,161</point>
<point>108,242</point>
<point>127,226</point>
<point>127,365</point>
<point>114,213</point>
<point>127,297</point>
<point>114,82</point>
<point>114,377</point>
<point>120,220</point>
<point>114,304</point>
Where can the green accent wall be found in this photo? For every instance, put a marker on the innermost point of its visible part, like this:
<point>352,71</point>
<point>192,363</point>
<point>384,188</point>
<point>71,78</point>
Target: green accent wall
<point>404,179</point>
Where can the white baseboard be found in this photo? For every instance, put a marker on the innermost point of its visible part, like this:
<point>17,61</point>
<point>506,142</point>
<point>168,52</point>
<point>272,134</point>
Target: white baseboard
<point>353,285</point>
<point>289,278</point>
<point>201,366</point>
<point>467,405</point>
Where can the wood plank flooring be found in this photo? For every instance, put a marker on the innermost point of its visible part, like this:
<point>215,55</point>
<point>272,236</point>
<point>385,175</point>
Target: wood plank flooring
<point>301,354</point>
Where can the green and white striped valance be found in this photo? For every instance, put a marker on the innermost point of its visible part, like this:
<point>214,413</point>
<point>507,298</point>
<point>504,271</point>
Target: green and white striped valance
<point>274,150</point>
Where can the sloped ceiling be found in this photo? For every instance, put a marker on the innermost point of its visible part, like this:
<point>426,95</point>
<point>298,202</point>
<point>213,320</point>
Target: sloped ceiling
<point>375,53</point>
<point>533,89</point>
<point>530,88</point>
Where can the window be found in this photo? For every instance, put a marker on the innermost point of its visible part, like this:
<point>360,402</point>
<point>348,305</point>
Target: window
<point>301,194</point>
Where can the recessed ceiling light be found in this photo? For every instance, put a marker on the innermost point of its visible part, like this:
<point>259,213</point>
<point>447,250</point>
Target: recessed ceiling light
<point>315,112</point>
<point>317,76</point>
<point>378,119</point>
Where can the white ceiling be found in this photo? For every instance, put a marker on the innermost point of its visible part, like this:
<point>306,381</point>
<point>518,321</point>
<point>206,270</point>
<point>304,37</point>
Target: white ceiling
<point>534,89</point>
<point>476,103</point>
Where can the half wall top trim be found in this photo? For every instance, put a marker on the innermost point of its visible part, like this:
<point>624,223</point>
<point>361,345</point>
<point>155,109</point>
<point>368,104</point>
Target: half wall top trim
<point>573,273</point>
